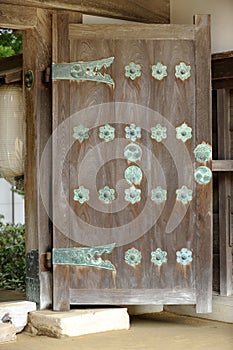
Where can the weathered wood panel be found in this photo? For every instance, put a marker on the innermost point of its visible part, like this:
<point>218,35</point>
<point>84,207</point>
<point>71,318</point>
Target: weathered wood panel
<point>203,133</point>
<point>17,17</point>
<point>37,42</point>
<point>149,11</point>
<point>225,188</point>
<point>132,31</point>
<point>141,92</point>
<point>170,107</point>
<point>61,112</point>
<point>134,297</point>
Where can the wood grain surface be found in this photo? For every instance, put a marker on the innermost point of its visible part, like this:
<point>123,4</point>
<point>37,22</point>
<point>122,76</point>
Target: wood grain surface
<point>148,11</point>
<point>132,31</point>
<point>171,102</point>
<point>61,112</point>
<point>204,208</point>
<point>37,41</point>
<point>17,17</point>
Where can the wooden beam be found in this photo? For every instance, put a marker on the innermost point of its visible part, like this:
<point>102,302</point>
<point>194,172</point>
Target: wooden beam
<point>17,17</point>
<point>13,76</point>
<point>11,69</point>
<point>149,11</point>
<point>222,165</point>
<point>224,152</point>
<point>132,31</point>
<point>11,62</point>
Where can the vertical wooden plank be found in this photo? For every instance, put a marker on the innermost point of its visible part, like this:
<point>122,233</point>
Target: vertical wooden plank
<point>36,57</point>
<point>61,112</point>
<point>204,192</point>
<point>224,152</point>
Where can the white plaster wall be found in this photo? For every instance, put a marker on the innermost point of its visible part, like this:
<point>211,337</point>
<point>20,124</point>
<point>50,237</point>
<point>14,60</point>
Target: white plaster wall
<point>182,12</point>
<point>6,203</point>
<point>221,12</point>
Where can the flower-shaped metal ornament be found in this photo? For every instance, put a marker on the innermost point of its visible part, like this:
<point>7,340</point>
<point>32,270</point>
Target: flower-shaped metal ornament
<point>183,71</point>
<point>81,194</point>
<point>133,175</point>
<point>183,132</point>
<point>133,70</point>
<point>132,195</point>
<point>107,133</point>
<point>158,257</point>
<point>184,256</point>
<point>184,195</point>
<point>133,152</point>
<point>106,194</point>
<point>80,133</point>
<point>203,152</point>
<point>203,175</point>
<point>133,257</point>
<point>158,195</point>
<point>133,132</point>
<point>159,71</point>
<point>159,133</point>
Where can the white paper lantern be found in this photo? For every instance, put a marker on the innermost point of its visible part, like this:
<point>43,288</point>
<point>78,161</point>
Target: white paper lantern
<point>12,131</point>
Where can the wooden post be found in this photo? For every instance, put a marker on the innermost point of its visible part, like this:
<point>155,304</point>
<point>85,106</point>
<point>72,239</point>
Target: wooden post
<point>204,133</point>
<point>37,49</point>
<point>224,152</point>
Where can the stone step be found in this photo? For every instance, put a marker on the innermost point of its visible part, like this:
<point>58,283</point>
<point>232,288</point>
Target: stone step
<point>16,312</point>
<point>77,322</point>
<point>7,333</point>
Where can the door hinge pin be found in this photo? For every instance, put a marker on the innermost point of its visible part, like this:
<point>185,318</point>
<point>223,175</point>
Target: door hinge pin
<point>48,260</point>
<point>47,75</point>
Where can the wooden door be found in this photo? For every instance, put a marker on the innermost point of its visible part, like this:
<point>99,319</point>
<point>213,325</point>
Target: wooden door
<point>132,198</point>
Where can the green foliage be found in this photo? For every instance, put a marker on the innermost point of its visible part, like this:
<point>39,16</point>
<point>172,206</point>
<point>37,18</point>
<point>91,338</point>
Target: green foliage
<point>12,256</point>
<point>10,43</point>
<point>6,51</point>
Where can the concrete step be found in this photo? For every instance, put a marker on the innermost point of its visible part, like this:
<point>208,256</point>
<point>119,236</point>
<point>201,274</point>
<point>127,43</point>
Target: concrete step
<point>7,333</point>
<point>77,322</point>
<point>16,312</point>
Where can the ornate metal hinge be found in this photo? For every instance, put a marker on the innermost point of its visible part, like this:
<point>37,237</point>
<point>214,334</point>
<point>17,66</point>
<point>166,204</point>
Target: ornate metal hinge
<point>83,71</point>
<point>84,257</point>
